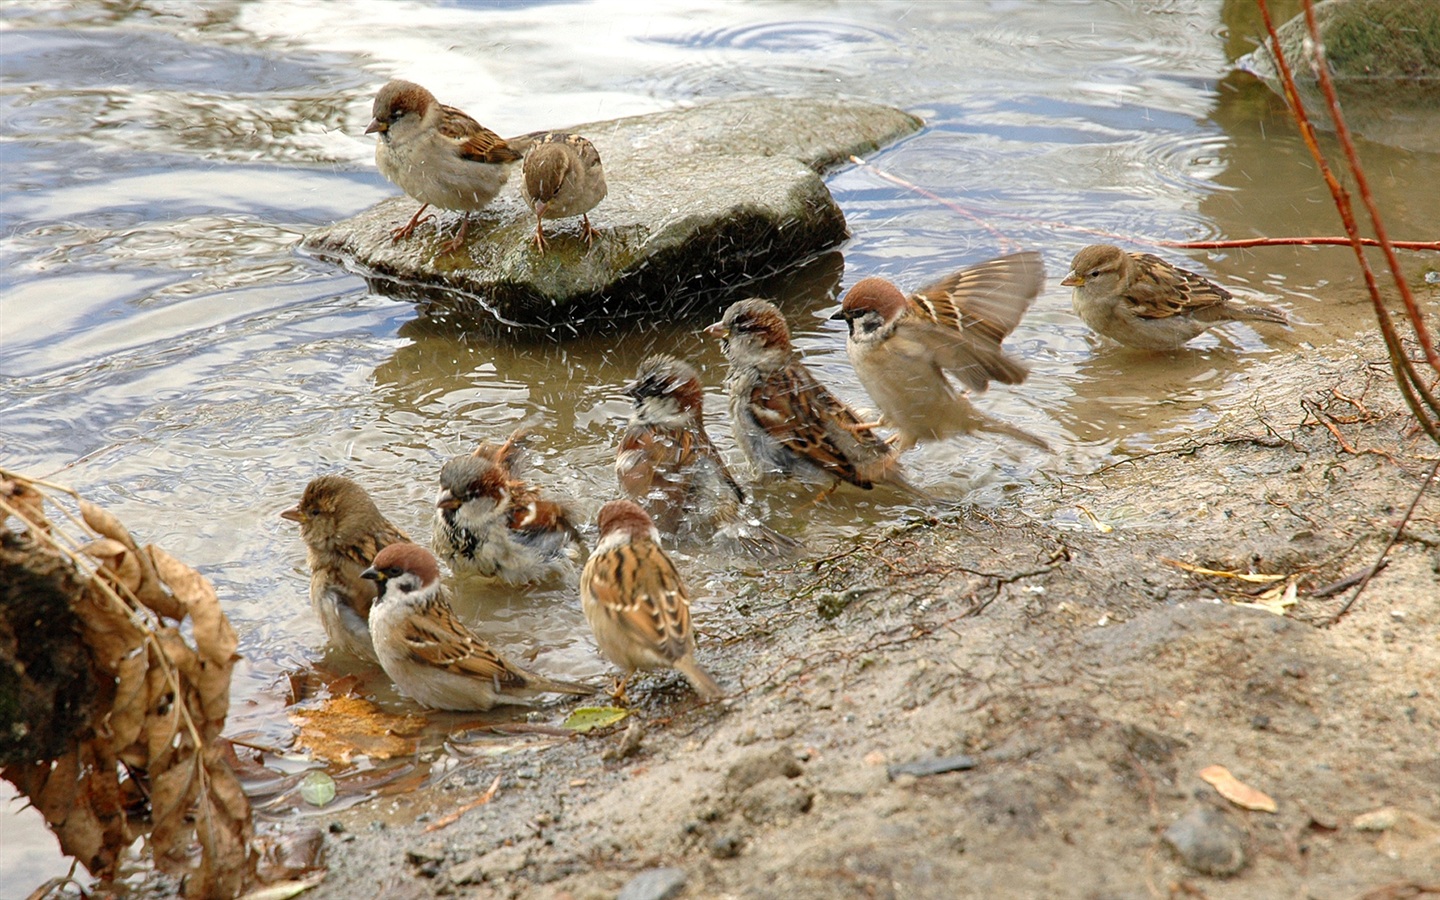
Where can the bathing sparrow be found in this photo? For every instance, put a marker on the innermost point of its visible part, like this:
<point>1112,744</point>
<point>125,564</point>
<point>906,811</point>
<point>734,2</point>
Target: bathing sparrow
<point>636,603</point>
<point>902,346</point>
<point>1143,301</point>
<point>429,653</point>
<point>667,463</point>
<point>785,421</point>
<point>343,530</point>
<point>490,523</point>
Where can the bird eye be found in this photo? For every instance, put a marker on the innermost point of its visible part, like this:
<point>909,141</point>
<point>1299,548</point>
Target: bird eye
<point>391,571</point>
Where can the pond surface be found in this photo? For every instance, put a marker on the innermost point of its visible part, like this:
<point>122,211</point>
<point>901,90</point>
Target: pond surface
<point>166,351</point>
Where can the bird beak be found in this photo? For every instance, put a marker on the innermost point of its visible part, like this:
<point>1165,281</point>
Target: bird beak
<point>718,330</point>
<point>376,125</point>
<point>840,314</point>
<point>1074,279</point>
<point>293,514</point>
<point>540,208</point>
<point>374,575</point>
<point>447,501</point>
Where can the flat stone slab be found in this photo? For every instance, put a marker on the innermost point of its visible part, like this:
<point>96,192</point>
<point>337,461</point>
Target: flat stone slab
<point>701,202</point>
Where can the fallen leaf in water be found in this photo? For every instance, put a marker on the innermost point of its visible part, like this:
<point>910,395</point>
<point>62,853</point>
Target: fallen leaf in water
<point>346,727</point>
<point>1235,790</point>
<point>317,788</point>
<point>588,718</point>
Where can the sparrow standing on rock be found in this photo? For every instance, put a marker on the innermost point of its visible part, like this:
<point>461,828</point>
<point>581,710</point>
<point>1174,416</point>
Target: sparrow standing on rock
<point>667,463</point>
<point>635,601</point>
<point>437,154</point>
<point>1143,301</point>
<point>429,653</point>
<point>343,530</point>
<point>491,524</point>
<point>787,423</point>
<point>563,178</point>
<point>902,347</point>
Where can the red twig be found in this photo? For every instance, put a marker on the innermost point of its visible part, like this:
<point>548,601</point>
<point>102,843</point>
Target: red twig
<point>1292,241</point>
<point>1362,183</point>
<point>1407,378</point>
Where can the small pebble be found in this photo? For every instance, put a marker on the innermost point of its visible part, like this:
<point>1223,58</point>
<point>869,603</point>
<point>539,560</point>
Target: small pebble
<point>654,884</point>
<point>725,846</point>
<point>1206,842</point>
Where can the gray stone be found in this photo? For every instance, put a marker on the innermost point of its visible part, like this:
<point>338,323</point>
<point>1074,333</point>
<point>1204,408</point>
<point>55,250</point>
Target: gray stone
<point>701,202</point>
<point>1206,842</point>
<point>654,884</point>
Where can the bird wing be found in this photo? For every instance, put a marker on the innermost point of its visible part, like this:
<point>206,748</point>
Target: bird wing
<point>804,417</point>
<point>1160,290</point>
<point>474,141</point>
<point>985,301</point>
<point>434,636</point>
<point>655,608</point>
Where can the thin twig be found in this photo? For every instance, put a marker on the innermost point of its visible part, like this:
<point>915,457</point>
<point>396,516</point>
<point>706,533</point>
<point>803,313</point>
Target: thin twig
<point>452,818</point>
<point>1394,538</point>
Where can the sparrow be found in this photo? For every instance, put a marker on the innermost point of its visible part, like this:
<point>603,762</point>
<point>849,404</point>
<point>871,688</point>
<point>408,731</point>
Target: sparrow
<point>901,347</point>
<point>437,154</point>
<point>786,422</point>
<point>429,653</point>
<point>667,463</point>
<point>343,530</point>
<point>1143,301</point>
<point>563,178</point>
<point>492,524</point>
<point>636,603</point>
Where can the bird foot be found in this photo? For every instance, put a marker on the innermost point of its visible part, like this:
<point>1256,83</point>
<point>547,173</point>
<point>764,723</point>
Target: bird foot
<point>540,242</point>
<point>458,241</point>
<point>588,231</point>
<point>404,231</point>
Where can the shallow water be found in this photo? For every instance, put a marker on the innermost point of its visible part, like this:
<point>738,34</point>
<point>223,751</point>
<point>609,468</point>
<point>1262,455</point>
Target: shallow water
<point>165,350</point>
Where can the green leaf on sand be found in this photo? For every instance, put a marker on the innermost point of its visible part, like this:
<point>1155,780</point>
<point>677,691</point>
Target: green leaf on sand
<point>589,717</point>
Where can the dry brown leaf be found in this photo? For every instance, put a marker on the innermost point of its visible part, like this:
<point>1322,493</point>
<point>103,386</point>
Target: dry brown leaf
<point>116,562</point>
<point>26,501</point>
<point>346,727</point>
<point>104,523</point>
<point>215,638</point>
<point>163,706</point>
<point>1235,790</point>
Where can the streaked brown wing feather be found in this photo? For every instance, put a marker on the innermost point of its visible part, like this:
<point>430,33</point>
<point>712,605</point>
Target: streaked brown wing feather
<point>1161,290</point>
<point>476,142</point>
<point>821,428</point>
<point>365,549</point>
<point>655,608</point>
<point>985,301</point>
<point>435,637</point>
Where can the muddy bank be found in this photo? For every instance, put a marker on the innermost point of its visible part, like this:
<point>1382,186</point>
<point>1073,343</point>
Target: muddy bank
<point>1087,679</point>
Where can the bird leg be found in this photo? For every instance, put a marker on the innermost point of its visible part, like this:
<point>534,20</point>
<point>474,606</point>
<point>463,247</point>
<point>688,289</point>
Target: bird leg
<point>825,494</point>
<point>459,241</point>
<point>404,231</point>
<point>617,691</point>
<point>587,230</point>
<point>539,235</point>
